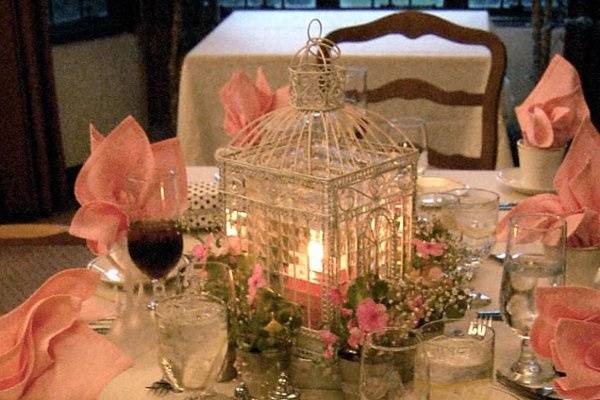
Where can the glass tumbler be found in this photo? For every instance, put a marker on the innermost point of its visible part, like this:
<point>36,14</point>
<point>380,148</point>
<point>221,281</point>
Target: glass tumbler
<point>388,366</point>
<point>476,216</point>
<point>459,361</point>
<point>192,340</point>
<point>412,129</point>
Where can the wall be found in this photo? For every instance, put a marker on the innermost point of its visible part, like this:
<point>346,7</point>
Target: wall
<point>99,82</point>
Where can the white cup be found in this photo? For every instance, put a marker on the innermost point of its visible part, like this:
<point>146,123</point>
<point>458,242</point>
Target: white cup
<point>538,166</point>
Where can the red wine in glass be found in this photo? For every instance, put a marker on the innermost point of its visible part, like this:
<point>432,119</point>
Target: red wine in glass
<point>155,246</point>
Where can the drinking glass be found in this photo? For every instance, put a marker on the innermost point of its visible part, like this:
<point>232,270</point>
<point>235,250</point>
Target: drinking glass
<point>192,340</point>
<point>355,85</point>
<point>458,364</point>
<point>154,242</point>
<point>413,130</point>
<point>388,366</point>
<point>476,216</point>
<point>437,206</point>
<point>535,257</point>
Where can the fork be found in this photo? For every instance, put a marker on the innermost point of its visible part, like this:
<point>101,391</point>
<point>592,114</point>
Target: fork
<point>478,327</point>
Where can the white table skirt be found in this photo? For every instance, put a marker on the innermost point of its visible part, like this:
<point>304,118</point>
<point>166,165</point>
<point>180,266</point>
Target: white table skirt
<point>139,340</point>
<point>249,39</point>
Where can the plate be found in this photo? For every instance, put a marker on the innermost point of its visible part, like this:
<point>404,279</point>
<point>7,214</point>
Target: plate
<point>112,274</point>
<point>511,177</point>
<point>431,184</point>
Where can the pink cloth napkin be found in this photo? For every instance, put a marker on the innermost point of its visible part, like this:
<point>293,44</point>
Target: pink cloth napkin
<point>48,352</point>
<point>102,187</point>
<point>567,329</point>
<point>552,113</point>
<point>244,101</point>
<point>577,183</point>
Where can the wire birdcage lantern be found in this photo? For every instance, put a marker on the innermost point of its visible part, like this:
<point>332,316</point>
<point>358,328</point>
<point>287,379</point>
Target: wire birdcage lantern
<point>320,187</point>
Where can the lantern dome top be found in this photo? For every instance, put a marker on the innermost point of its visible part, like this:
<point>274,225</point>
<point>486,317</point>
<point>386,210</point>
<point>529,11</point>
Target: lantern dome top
<point>318,134</point>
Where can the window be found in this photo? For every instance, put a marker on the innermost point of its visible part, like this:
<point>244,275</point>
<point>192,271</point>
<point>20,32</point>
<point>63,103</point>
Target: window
<point>72,20</point>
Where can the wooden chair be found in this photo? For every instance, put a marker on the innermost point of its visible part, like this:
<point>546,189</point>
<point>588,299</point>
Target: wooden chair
<point>413,24</point>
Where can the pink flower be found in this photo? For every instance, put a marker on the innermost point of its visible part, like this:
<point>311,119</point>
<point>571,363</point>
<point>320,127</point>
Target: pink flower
<point>345,312</point>
<point>425,249</point>
<point>371,316</point>
<point>328,339</point>
<point>201,251</point>
<point>337,298</point>
<point>356,338</point>
<point>255,282</point>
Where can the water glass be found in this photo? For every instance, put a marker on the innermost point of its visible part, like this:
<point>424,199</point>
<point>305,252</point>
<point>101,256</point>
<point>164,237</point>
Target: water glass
<point>413,130</point>
<point>388,366</point>
<point>476,216</point>
<point>458,364</point>
<point>355,85</point>
<point>437,206</point>
<point>535,257</point>
<point>192,340</point>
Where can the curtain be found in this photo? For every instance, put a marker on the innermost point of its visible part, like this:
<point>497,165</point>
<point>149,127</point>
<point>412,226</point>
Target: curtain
<point>168,29</point>
<point>582,35</point>
<point>32,167</point>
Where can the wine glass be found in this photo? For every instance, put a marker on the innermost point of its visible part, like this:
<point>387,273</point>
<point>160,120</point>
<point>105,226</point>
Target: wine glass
<point>413,130</point>
<point>535,257</point>
<point>475,216</point>
<point>355,85</point>
<point>388,365</point>
<point>154,241</point>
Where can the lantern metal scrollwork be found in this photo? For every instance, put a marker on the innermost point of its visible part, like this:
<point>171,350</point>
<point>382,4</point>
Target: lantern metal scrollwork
<point>320,187</point>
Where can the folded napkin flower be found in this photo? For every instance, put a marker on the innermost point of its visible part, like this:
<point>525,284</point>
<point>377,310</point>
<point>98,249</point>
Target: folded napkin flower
<point>48,352</point>
<point>102,188</point>
<point>567,330</point>
<point>244,101</point>
<point>577,185</point>
<point>553,112</point>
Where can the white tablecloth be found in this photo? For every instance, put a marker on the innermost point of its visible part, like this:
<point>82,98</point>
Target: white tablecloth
<point>249,39</point>
<point>138,338</point>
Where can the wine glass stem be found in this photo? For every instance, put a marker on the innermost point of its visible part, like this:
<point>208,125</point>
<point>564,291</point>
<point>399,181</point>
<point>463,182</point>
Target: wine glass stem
<point>527,368</point>
<point>153,302</point>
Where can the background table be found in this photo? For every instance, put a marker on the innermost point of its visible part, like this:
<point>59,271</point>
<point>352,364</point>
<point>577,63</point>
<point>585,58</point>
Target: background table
<point>139,339</point>
<point>249,39</point>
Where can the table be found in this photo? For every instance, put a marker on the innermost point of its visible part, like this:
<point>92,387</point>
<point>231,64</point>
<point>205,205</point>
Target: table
<point>140,344</point>
<point>249,39</point>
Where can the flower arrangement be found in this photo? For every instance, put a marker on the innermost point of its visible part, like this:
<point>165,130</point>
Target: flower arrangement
<point>434,288</point>
<point>260,319</point>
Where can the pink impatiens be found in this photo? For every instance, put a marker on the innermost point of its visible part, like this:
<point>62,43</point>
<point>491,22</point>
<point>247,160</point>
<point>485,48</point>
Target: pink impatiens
<point>256,281</point>
<point>425,249</point>
<point>371,316</point>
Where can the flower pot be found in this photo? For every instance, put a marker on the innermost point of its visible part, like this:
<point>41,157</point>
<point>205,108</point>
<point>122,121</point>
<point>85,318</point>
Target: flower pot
<point>583,266</point>
<point>260,370</point>
<point>538,166</point>
<point>350,372</point>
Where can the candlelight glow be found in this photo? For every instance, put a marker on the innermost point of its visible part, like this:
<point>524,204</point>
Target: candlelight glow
<point>315,251</point>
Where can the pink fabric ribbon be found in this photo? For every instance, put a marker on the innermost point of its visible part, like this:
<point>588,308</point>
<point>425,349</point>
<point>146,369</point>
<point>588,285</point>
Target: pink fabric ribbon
<point>48,352</point>
<point>244,101</point>
<point>102,187</point>
<point>577,183</point>
<point>553,112</point>
<point>567,330</point>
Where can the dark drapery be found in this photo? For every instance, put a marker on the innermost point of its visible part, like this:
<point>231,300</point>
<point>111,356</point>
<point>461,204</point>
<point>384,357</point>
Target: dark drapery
<point>167,30</point>
<point>32,178</point>
<point>582,35</point>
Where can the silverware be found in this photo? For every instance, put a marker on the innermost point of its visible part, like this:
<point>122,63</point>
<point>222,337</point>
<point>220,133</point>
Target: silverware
<point>506,206</point>
<point>102,325</point>
<point>479,326</point>
<point>524,391</point>
<point>161,387</point>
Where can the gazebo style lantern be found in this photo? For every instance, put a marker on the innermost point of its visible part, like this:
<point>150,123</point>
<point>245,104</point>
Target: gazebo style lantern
<point>320,188</point>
